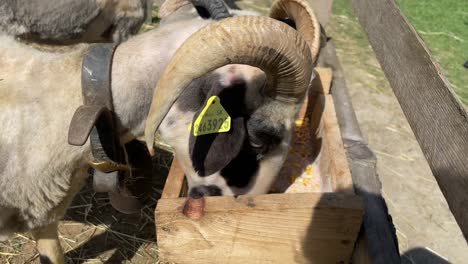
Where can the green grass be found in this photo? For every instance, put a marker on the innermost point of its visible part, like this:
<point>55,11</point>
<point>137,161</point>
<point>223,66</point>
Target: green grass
<point>343,9</point>
<point>352,44</point>
<point>443,24</point>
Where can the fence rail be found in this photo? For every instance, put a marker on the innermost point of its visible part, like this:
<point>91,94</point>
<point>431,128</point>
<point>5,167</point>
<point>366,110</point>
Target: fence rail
<point>435,114</point>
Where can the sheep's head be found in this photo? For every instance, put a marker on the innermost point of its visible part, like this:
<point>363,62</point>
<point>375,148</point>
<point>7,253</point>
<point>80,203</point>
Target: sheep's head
<point>269,66</point>
<point>259,123</point>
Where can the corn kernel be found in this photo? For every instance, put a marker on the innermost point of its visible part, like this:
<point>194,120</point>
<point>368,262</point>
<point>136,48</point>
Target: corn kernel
<point>299,122</point>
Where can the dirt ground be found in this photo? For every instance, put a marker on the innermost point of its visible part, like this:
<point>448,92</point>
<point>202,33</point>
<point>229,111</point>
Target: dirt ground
<point>421,215</point>
<point>93,232</point>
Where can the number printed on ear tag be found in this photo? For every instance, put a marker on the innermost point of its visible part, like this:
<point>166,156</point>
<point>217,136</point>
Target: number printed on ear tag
<point>212,119</point>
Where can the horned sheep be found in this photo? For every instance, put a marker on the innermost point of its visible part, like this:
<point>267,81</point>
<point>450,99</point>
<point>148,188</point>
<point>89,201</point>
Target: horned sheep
<point>40,172</point>
<point>247,159</point>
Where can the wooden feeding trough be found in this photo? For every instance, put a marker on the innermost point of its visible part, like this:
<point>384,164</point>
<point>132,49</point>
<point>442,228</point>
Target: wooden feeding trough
<point>346,217</point>
<point>316,217</point>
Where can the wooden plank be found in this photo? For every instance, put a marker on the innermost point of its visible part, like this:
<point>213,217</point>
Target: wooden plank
<point>274,228</point>
<point>175,181</point>
<point>320,85</point>
<point>333,158</point>
<point>377,225</point>
<point>435,114</point>
<point>322,82</point>
<point>334,166</point>
<point>317,122</point>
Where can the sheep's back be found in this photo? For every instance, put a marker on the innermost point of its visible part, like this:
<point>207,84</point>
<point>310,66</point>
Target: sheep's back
<point>39,92</point>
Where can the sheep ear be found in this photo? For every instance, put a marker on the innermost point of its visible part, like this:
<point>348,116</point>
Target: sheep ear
<point>211,153</point>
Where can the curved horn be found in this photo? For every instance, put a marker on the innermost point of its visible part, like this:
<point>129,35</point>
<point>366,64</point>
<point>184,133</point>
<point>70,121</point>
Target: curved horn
<point>304,17</point>
<point>261,42</point>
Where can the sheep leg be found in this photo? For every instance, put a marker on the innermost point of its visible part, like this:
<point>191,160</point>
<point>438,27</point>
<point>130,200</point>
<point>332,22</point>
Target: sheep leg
<point>48,245</point>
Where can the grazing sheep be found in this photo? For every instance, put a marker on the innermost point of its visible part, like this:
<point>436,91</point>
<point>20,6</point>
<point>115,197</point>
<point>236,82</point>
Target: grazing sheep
<point>73,21</point>
<point>247,159</point>
<point>40,172</point>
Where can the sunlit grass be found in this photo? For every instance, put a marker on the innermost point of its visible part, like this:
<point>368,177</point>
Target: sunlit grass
<point>443,24</point>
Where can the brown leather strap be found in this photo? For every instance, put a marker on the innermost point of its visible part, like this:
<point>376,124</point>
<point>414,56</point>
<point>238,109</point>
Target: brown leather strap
<point>96,75</point>
<point>96,90</point>
<point>95,119</point>
<point>82,122</point>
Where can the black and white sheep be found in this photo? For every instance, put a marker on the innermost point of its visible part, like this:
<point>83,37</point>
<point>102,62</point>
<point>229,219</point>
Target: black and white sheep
<point>247,159</point>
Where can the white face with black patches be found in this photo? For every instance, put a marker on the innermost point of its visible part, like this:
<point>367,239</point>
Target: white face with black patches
<point>245,160</point>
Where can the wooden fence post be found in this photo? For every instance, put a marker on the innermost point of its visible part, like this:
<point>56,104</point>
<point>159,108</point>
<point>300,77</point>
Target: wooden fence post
<point>435,114</point>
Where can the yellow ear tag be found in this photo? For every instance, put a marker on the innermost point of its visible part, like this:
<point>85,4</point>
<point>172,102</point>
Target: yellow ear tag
<point>212,119</point>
